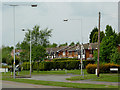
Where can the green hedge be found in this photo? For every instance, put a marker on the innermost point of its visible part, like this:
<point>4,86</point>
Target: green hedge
<point>49,65</point>
<point>64,59</point>
<point>104,68</point>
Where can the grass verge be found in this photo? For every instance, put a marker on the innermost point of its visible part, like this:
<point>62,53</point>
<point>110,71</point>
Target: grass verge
<point>93,77</point>
<point>61,84</point>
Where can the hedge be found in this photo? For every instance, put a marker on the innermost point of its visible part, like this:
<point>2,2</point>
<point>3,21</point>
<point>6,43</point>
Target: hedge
<point>49,65</point>
<point>64,59</point>
<point>104,68</point>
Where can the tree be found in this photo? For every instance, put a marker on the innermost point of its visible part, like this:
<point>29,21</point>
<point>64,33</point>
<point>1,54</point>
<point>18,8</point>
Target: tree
<point>109,31</point>
<point>92,33</point>
<point>106,46</point>
<point>38,53</point>
<point>95,37</point>
<point>18,46</point>
<point>39,36</point>
<point>72,44</point>
<point>52,45</point>
<point>115,56</point>
<point>65,44</point>
<point>118,38</point>
<point>78,43</point>
<point>6,54</point>
<point>39,40</point>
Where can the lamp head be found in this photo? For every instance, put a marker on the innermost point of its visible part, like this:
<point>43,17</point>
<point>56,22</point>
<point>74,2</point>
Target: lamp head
<point>65,20</point>
<point>35,5</point>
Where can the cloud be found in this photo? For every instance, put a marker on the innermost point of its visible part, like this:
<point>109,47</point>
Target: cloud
<point>51,15</point>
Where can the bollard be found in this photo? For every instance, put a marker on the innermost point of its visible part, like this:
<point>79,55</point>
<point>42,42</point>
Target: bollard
<point>11,73</point>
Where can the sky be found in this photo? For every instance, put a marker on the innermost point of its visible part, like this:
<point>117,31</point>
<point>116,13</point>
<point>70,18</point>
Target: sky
<point>82,16</point>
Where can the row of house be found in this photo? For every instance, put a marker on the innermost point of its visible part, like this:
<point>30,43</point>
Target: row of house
<point>73,51</point>
<point>70,51</point>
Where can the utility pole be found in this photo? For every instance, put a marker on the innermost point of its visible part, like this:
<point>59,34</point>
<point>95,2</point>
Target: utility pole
<point>98,46</point>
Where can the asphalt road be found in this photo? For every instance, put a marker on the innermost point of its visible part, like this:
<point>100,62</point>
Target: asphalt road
<point>10,84</point>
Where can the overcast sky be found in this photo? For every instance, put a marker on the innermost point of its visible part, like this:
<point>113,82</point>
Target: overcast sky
<point>51,15</point>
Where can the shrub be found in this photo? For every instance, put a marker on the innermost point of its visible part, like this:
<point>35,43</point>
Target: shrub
<point>104,68</point>
<point>91,68</point>
<point>86,62</point>
<point>35,66</point>
<point>24,65</point>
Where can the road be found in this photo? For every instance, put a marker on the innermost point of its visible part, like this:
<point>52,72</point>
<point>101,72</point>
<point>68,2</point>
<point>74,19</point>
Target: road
<point>10,84</point>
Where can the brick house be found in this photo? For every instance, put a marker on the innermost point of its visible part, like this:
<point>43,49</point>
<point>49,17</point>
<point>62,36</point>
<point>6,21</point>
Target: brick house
<point>17,52</point>
<point>89,48</point>
<point>73,51</point>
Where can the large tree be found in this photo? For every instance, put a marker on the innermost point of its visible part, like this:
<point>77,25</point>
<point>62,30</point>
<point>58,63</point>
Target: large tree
<point>39,40</point>
<point>107,45</point>
<point>39,36</point>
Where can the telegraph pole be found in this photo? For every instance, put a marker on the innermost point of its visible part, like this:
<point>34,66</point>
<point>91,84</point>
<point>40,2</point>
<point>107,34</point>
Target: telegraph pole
<point>98,46</point>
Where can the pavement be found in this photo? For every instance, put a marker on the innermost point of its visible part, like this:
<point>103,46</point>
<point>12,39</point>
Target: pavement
<point>10,84</point>
<point>62,78</point>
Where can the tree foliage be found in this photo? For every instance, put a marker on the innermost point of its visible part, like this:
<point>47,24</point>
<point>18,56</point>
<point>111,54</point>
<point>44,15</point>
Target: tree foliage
<point>38,53</point>
<point>6,54</point>
<point>52,45</point>
<point>109,42</point>
<point>92,33</point>
<point>72,44</point>
<point>65,44</point>
<point>115,56</point>
<point>38,36</point>
<point>39,41</point>
<point>95,37</point>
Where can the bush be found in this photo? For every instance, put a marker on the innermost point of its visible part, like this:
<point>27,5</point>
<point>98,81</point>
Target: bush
<point>35,66</point>
<point>86,62</point>
<point>104,68</point>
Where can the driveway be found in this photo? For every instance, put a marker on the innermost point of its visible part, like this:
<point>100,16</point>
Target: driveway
<point>62,78</point>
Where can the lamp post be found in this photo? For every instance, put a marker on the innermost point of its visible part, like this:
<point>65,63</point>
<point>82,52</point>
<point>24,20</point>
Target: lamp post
<point>81,38</point>
<point>14,36</point>
<point>14,5</point>
<point>98,72</point>
<point>30,51</point>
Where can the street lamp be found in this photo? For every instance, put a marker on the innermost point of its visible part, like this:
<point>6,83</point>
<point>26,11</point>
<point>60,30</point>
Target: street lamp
<point>81,37</point>
<point>14,5</point>
<point>30,51</point>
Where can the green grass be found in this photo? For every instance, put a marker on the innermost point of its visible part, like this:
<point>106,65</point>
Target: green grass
<point>61,84</point>
<point>93,77</point>
<point>50,72</point>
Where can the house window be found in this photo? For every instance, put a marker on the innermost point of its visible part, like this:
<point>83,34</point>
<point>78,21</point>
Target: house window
<point>83,51</point>
<point>75,53</point>
<point>91,51</point>
<point>70,53</point>
<point>63,53</point>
